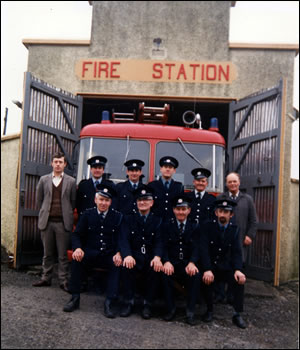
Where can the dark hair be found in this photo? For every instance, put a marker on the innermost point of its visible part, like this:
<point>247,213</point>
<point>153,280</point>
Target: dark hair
<point>59,155</point>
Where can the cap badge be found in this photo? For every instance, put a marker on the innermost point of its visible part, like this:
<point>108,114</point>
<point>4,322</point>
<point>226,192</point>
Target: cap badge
<point>168,160</point>
<point>143,192</point>
<point>97,161</point>
<point>224,203</point>
<point>105,190</point>
<point>199,173</point>
<point>134,164</point>
<point>180,200</point>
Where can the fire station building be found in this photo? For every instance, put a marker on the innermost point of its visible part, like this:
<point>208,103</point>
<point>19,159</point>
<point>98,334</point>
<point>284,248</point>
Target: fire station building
<point>175,53</point>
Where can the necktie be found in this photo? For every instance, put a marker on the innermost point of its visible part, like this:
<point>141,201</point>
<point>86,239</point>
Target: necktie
<point>222,232</point>
<point>96,183</point>
<point>198,195</point>
<point>144,218</point>
<point>181,228</point>
<point>167,185</point>
<point>134,186</point>
<point>101,216</point>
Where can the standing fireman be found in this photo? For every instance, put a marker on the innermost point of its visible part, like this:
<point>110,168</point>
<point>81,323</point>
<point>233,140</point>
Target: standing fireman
<point>221,259</point>
<point>202,201</point>
<point>85,198</point>
<point>95,244</point>
<point>141,249</point>
<point>56,195</point>
<point>166,188</point>
<point>126,203</point>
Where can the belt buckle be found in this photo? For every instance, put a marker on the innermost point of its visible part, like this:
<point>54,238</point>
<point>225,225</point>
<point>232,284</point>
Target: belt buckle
<point>180,256</point>
<point>143,250</point>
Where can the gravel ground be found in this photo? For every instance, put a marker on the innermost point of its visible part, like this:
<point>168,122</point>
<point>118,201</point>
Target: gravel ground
<point>32,318</point>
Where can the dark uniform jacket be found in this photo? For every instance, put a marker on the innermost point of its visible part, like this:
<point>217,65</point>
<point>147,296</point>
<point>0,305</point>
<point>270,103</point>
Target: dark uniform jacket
<point>142,240</point>
<point>96,236</point>
<point>85,197</point>
<point>126,202</point>
<point>181,248</point>
<point>202,210</point>
<point>220,250</point>
<point>162,197</point>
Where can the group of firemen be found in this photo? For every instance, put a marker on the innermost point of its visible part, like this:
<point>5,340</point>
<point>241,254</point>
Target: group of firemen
<point>159,233</point>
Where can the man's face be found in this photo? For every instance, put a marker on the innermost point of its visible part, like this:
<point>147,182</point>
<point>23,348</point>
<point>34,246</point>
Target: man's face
<point>144,205</point>
<point>200,184</point>
<point>167,171</point>
<point>58,164</point>
<point>103,203</point>
<point>97,171</point>
<point>223,215</point>
<point>134,175</point>
<point>233,183</point>
<point>181,213</point>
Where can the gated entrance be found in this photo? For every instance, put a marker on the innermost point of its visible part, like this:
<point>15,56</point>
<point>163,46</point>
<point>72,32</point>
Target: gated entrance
<point>51,123</point>
<point>254,153</point>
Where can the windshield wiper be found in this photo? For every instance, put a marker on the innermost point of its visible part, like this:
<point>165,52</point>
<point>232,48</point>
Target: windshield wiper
<point>189,153</point>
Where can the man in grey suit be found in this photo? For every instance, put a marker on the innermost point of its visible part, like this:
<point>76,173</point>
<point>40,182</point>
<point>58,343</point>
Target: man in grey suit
<point>56,198</point>
<point>244,212</point>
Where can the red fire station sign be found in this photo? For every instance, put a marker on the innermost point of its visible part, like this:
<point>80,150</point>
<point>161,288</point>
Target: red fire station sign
<point>156,71</point>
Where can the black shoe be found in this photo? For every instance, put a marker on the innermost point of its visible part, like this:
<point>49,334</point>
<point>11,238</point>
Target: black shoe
<point>126,310</point>
<point>108,309</point>
<point>64,286</point>
<point>146,312</point>
<point>73,304</point>
<point>190,319</point>
<point>170,315</point>
<point>41,283</point>
<point>238,321</point>
<point>207,317</point>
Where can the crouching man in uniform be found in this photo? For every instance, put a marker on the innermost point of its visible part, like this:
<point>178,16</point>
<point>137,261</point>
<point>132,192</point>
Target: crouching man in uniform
<point>95,244</point>
<point>221,259</point>
<point>141,248</point>
<point>181,256</point>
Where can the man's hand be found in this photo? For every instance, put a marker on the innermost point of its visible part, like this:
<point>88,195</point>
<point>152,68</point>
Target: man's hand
<point>247,240</point>
<point>208,277</point>
<point>78,254</point>
<point>156,264</point>
<point>117,259</point>
<point>191,269</point>
<point>239,277</point>
<point>129,262</point>
<point>168,268</point>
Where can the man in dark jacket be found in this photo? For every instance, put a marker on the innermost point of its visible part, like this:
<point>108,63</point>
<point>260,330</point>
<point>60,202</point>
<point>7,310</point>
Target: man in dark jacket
<point>95,244</point>
<point>141,249</point>
<point>221,259</point>
<point>202,201</point>
<point>181,256</point>
<point>87,188</point>
<point>166,188</point>
<point>126,203</point>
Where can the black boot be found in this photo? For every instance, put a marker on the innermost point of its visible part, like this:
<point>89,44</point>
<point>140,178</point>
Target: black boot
<point>73,304</point>
<point>108,309</point>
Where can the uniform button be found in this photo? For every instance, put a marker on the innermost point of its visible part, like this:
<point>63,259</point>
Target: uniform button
<point>101,240</point>
<point>198,210</point>
<point>166,208</point>
<point>167,201</point>
<point>180,242</point>
<point>180,249</point>
<point>167,194</point>
<point>101,234</point>
<point>220,249</point>
<point>198,205</point>
<point>101,226</point>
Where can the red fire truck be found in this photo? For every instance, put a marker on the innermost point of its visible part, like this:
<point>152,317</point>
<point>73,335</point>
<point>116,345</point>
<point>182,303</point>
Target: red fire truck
<point>118,142</point>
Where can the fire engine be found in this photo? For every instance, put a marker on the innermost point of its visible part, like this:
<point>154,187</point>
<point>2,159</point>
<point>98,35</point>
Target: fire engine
<point>119,142</point>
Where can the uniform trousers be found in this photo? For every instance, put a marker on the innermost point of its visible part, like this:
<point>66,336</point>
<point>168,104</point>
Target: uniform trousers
<point>191,282</point>
<point>237,289</point>
<point>150,277</point>
<point>55,239</point>
<point>78,270</point>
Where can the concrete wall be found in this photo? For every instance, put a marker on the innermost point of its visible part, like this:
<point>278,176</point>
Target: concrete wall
<point>190,30</point>
<point>9,177</point>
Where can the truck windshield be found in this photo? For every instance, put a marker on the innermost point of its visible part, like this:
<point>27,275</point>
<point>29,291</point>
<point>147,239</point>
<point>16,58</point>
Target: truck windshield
<point>211,157</point>
<point>117,151</point>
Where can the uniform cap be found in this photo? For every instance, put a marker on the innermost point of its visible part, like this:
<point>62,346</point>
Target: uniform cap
<point>225,203</point>
<point>134,164</point>
<point>200,173</point>
<point>106,190</point>
<point>169,161</point>
<point>144,192</point>
<point>97,161</point>
<point>181,201</point>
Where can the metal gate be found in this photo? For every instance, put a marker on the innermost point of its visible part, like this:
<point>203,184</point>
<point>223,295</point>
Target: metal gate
<point>254,153</point>
<point>51,123</point>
